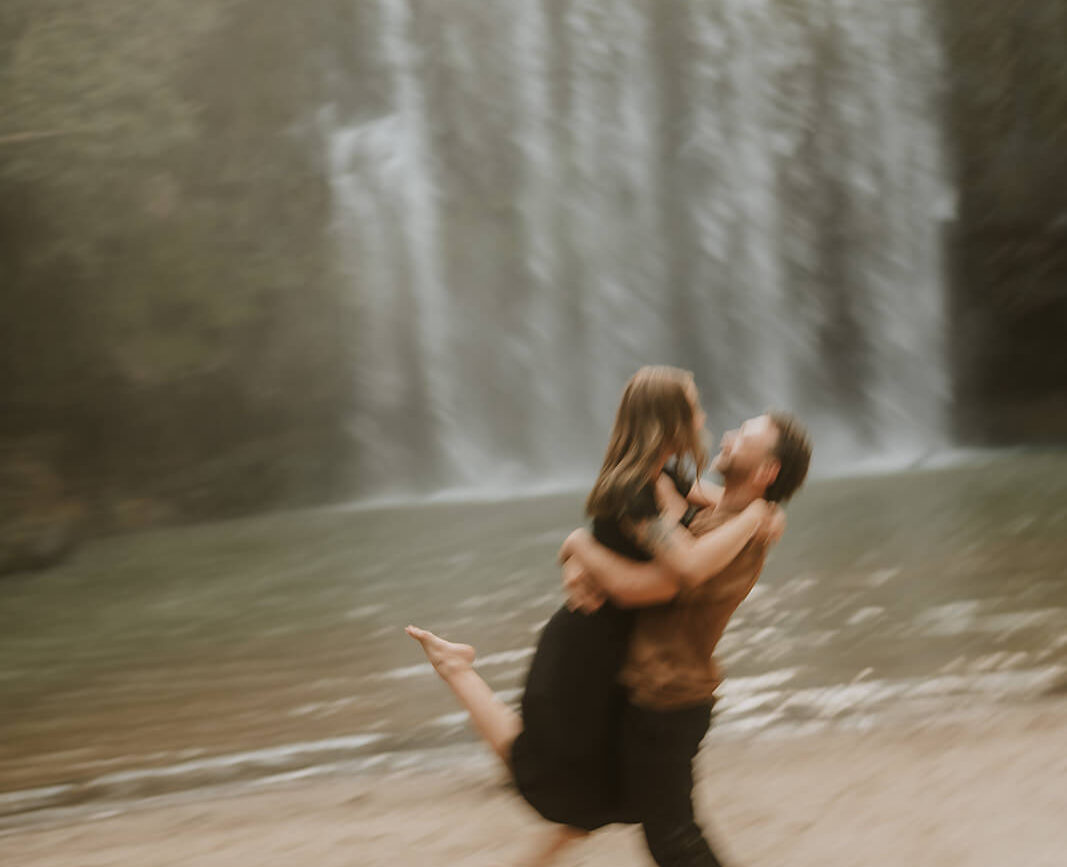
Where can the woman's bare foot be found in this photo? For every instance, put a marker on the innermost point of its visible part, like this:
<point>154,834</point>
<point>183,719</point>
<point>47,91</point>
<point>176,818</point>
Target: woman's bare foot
<point>446,657</point>
<point>495,721</point>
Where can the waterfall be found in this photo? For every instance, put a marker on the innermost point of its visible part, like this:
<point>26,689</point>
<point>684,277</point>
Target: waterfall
<point>551,193</point>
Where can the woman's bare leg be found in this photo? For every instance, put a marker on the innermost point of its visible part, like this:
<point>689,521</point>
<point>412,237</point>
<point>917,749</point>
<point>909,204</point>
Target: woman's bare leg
<point>497,723</point>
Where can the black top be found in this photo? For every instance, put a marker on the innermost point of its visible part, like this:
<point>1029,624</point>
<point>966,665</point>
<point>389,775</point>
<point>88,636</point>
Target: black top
<point>609,531</point>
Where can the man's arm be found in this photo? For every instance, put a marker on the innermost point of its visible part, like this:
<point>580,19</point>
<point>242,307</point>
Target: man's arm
<point>583,593</point>
<point>628,583</point>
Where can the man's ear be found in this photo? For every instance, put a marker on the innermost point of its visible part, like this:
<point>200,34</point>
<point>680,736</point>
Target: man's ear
<point>769,472</point>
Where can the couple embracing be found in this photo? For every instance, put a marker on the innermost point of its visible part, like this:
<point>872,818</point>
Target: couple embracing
<point>620,690</point>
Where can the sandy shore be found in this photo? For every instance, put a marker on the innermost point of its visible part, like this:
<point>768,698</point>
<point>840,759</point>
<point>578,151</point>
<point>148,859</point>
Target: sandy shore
<point>991,791</point>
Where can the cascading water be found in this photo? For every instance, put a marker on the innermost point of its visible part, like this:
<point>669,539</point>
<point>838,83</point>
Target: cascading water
<point>550,194</point>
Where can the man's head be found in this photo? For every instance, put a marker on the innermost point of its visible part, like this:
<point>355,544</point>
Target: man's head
<point>770,453</point>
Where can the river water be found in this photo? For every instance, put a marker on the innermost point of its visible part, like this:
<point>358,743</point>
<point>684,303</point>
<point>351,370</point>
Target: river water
<point>271,646</point>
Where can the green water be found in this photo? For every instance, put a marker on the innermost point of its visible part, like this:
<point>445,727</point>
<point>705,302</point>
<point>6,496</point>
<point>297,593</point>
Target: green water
<point>186,645</point>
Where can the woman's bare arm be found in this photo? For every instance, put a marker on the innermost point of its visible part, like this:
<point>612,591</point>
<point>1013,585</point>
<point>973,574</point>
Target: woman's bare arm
<point>628,583</point>
<point>695,560</point>
<point>704,494</point>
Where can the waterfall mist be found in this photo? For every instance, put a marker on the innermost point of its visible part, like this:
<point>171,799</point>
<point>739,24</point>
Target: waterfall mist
<point>539,197</point>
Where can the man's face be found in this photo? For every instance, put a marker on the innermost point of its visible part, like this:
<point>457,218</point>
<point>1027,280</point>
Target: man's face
<point>747,450</point>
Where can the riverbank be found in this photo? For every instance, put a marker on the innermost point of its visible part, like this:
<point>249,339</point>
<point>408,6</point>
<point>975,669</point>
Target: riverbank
<point>988,790</point>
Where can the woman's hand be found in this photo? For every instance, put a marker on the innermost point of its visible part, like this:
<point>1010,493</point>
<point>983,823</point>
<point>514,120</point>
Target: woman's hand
<point>757,509</point>
<point>772,524</point>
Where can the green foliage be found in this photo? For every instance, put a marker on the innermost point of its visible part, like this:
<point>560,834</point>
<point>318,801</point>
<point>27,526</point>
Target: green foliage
<point>163,234</point>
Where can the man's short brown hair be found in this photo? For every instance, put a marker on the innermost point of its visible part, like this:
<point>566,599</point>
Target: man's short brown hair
<point>793,452</point>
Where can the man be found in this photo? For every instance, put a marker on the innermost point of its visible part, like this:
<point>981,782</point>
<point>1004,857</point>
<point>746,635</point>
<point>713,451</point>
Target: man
<point>670,672</point>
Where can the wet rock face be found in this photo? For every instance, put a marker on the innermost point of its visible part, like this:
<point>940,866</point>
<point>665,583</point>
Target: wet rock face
<point>1006,126</point>
<point>1014,383</point>
<point>40,522</point>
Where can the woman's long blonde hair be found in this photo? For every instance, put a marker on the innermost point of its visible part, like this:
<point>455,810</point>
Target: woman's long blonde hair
<point>655,417</point>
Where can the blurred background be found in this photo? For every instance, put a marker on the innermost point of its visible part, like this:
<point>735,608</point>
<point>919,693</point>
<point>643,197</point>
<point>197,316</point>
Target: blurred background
<point>260,256</point>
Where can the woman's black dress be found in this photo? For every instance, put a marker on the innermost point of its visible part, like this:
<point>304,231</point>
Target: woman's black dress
<point>566,759</point>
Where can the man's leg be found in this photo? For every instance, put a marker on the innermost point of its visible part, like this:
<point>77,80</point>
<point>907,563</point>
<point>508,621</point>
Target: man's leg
<point>658,752</point>
<point>497,723</point>
<point>553,842</point>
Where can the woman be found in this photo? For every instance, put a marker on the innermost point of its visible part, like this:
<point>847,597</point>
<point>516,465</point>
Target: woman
<point>563,750</point>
